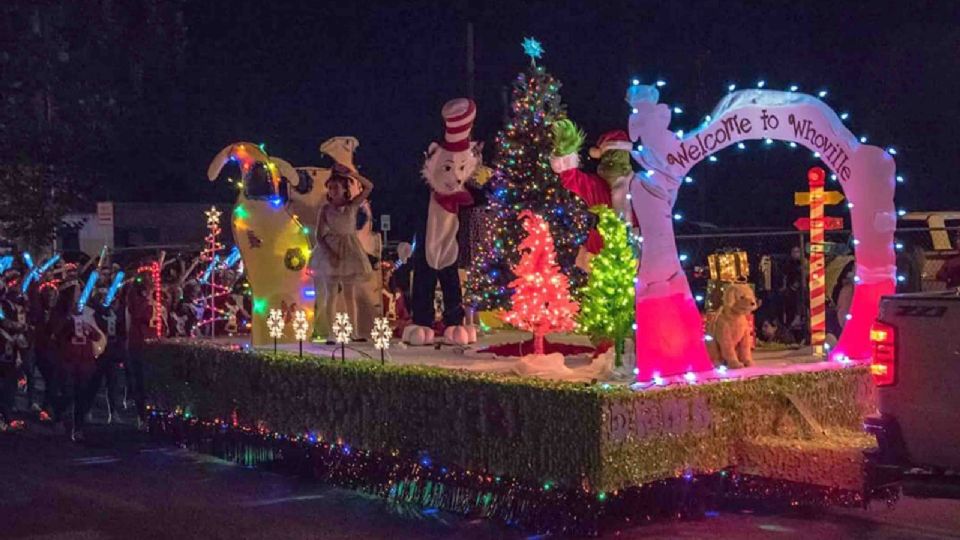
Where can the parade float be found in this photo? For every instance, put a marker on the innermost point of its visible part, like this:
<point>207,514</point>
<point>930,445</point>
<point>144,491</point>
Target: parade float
<point>575,409</point>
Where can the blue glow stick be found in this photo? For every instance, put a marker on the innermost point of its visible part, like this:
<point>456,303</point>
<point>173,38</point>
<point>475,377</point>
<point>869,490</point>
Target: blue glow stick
<point>232,258</point>
<point>2,314</point>
<point>38,271</point>
<point>114,287</point>
<point>209,270</point>
<point>48,263</point>
<point>87,289</point>
<point>28,259</point>
<point>5,262</point>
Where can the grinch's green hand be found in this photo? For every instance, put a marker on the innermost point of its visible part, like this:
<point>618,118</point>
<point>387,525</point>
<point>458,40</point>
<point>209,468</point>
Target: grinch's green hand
<point>567,137</point>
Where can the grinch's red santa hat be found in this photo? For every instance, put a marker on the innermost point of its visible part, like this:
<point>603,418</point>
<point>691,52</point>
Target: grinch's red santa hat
<point>611,140</point>
<point>458,115</point>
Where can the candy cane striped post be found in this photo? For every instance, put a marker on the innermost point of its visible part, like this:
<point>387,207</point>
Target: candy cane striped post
<point>817,278</point>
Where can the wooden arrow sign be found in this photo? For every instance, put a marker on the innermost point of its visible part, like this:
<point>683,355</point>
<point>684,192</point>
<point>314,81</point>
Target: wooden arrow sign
<point>829,223</point>
<point>830,198</point>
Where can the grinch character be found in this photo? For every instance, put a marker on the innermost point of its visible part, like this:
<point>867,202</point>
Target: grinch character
<point>608,187</point>
<point>448,167</point>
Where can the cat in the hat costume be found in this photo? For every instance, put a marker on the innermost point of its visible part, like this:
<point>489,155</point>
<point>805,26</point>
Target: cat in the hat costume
<point>609,186</point>
<point>447,168</point>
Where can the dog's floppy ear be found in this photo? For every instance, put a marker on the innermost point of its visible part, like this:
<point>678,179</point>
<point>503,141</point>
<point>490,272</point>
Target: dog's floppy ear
<point>730,295</point>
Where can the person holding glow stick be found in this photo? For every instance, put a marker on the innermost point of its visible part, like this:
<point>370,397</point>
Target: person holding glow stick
<point>111,320</point>
<point>79,342</point>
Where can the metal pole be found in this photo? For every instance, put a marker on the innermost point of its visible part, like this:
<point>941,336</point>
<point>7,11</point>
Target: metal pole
<point>470,60</point>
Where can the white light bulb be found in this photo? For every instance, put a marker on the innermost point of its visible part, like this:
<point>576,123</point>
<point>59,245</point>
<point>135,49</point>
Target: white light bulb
<point>901,212</point>
<point>731,88</point>
<point>761,83</point>
<point>635,111</point>
<point>698,298</point>
<point>661,83</point>
<point>899,179</point>
<point>679,133</point>
<point>863,138</point>
<point>741,146</point>
<point>898,246</point>
<point>793,144</point>
<point>844,116</point>
<point>712,159</point>
<point>677,110</point>
<point>892,151</point>
<point>688,180</point>
<point>822,93</point>
<point>849,205</point>
<point>677,217</point>
<point>683,257</point>
<point>768,141</point>
<point>636,82</point>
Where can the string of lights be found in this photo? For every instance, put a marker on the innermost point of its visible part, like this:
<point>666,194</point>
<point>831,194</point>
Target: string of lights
<point>523,180</point>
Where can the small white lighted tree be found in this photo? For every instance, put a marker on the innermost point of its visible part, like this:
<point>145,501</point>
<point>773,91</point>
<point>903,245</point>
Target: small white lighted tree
<point>381,336</point>
<point>300,327</point>
<point>342,330</point>
<point>275,324</point>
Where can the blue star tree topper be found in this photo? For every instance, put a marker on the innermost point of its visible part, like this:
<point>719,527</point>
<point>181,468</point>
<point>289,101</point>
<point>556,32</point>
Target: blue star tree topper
<point>532,48</point>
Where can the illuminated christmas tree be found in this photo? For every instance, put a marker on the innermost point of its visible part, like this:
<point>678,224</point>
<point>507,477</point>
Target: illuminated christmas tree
<point>523,180</point>
<point>209,260</point>
<point>541,293</point>
<point>607,308</point>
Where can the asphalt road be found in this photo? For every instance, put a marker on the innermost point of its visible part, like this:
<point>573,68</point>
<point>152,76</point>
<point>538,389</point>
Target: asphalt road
<point>119,484</point>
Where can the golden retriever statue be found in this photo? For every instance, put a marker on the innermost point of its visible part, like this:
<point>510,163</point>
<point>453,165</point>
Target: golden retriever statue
<point>730,328</point>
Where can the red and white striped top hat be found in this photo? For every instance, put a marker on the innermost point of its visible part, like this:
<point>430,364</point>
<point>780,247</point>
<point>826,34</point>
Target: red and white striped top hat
<point>458,115</point>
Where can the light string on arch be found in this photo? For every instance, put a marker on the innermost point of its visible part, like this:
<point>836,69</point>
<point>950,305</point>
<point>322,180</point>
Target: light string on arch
<point>761,83</point>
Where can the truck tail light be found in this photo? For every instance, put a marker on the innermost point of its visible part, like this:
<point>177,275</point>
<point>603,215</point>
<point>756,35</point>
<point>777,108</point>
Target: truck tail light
<point>883,365</point>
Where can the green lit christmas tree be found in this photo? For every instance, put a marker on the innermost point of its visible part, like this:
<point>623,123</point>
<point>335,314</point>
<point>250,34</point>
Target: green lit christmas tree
<point>606,311</point>
<point>523,180</point>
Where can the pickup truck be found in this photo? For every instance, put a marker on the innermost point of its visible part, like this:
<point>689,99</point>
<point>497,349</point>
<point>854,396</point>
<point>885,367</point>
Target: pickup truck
<point>916,369</point>
<point>925,241</point>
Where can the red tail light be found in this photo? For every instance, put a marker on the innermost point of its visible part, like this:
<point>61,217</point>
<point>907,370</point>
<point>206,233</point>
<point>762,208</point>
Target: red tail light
<point>883,365</point>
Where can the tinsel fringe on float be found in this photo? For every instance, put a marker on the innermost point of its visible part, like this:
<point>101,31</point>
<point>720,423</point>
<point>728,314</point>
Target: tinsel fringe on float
<point>537,507</point>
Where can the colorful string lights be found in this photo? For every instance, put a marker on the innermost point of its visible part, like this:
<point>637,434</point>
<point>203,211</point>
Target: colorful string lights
<point>523,180</point>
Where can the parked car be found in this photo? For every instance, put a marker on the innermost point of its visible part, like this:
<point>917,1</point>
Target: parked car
<point>926,240</point>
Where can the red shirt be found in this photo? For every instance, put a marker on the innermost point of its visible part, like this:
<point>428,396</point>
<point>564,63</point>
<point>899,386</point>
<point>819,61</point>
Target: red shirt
<point>140,312</point>
<point>594,191</point>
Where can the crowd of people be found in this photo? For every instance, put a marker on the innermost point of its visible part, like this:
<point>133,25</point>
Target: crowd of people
<point>61,346</point>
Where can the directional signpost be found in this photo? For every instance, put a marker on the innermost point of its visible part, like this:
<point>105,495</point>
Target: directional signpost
<point>816,199</point>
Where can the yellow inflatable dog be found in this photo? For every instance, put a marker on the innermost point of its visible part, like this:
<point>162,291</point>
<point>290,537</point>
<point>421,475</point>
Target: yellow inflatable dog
<point>273,241</point>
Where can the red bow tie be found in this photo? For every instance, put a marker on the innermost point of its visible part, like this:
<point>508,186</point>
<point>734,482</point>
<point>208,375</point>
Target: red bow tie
<point>452,202</point>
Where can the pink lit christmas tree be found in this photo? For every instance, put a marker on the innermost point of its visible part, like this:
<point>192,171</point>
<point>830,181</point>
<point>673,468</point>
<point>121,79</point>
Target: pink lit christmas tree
<point>541,293</point>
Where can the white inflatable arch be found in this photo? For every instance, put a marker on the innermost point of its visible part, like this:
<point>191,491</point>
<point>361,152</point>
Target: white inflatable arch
<point>669,329</point>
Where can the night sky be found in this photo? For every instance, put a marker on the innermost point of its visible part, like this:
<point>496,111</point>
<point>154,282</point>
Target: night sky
<point>293,74</point>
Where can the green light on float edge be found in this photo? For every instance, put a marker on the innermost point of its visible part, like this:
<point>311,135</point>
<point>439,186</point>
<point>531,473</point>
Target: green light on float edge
<point>241,212</point>
<point>259,306</point>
